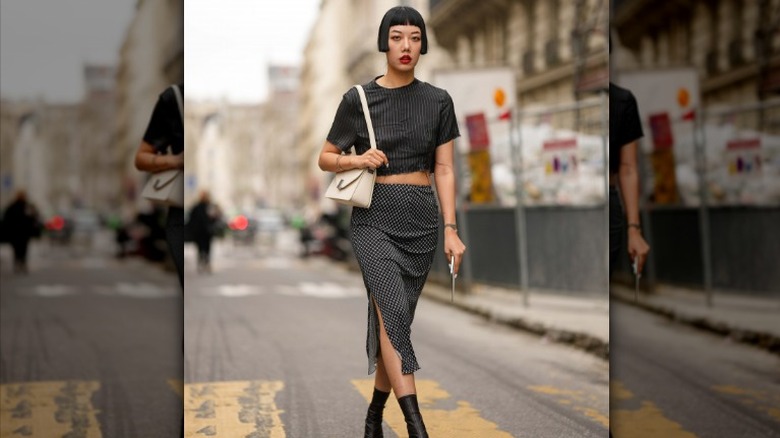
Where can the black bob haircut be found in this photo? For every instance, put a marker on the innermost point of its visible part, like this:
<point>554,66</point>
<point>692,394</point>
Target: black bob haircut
<point>401,16</point>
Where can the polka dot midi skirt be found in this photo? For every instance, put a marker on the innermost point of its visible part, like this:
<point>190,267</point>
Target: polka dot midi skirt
<point>394,241</point>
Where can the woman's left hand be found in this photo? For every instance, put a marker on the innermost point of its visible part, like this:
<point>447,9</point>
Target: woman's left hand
<point>637,248</point>
<point>453,247</point>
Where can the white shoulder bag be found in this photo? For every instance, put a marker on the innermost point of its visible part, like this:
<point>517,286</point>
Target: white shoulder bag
<point>355,187</point>
<point>167,187</point>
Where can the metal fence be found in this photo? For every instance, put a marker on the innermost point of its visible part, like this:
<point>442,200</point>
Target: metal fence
<point>711,219</point>
<point>550,232</point>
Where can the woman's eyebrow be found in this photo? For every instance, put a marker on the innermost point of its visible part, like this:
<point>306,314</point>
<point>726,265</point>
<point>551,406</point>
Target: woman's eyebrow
<point>398,31</point>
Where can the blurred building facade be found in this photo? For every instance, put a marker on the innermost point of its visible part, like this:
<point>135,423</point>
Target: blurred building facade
<point>734,45</point>
<point>81,155</point>
<point>151,58</point>
<point>62,154</point>
<point>245,155</point>
<point>223,143</point>
<point>557,48</point>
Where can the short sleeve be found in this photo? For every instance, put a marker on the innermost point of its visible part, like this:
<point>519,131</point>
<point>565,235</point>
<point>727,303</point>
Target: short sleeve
<point>448,124</point>
<point>165,127</point>
<point>631,123</point>
<point>343,132</point>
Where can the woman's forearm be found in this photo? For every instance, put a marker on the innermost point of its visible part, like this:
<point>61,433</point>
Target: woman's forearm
<point>629,191</point>
<point>335,162</point>
<point>444,179</point>
<point>146,160</point>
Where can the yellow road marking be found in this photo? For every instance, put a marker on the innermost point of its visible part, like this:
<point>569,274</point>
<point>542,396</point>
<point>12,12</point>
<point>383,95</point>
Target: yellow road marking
<point>49,409</point>
<point>617,391</point>
<point>762,400</point>
<point>646,422</point>
<point>233,409</point>
<point>462,422</point>
<point>578,401</point>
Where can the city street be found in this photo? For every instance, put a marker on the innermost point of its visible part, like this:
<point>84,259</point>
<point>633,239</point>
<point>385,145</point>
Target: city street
<point>91,346</point>
<point>674,381</point>
<point>275,346</point>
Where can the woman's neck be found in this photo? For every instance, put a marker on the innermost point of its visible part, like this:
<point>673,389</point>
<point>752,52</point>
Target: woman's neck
<point>396,79</point>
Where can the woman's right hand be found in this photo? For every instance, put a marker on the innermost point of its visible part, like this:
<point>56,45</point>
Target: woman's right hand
<point>176,161</point>
<point>372,158</point>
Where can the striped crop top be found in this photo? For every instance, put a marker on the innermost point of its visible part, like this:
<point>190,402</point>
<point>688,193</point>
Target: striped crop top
<point>409,123</point>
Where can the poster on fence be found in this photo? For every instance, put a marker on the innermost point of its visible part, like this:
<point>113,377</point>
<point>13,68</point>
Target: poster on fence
<point>560,158</point>
<point>483,99</point>
<point>744,158</point>
<point>479,159</point>
<point>664,191</point>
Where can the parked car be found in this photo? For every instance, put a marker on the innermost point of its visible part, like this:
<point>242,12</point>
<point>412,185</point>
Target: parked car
<point>79,225</point>
<point>243,229</point>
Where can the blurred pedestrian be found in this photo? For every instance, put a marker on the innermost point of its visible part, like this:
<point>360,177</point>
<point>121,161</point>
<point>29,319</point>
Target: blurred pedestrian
<point>625,128</point>
<point>21,223</point>
<point>394,240</point>
<point>165,130</point>
<point>203,220</point>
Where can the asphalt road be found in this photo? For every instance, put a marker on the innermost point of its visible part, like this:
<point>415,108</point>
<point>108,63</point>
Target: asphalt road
<point>673,381</point>
<point>276,346</point>
<point>89,346</point>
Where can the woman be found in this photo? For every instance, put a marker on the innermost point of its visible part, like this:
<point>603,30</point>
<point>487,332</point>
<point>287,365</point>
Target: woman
<point>394,240</point>
<point>166,129</point>
<point>625,129</point>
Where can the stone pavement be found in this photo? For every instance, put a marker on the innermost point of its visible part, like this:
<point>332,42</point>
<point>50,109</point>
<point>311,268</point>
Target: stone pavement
<point>749,319</point>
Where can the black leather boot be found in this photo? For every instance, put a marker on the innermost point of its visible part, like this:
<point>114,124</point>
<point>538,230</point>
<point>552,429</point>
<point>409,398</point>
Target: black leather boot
<point>374,414</point>
<point>414,421</point>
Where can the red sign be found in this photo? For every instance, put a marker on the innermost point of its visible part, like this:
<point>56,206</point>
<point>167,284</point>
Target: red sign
<point>478,132</point>
<point>560,144</point>
<point>661,128</point>
<point>744,144</point>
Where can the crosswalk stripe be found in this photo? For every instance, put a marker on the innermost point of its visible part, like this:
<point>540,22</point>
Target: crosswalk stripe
<point>143,290</point>
<point>646,422</point>
<point>233,409</point>
<point>462,422</point>
<point>49,409</point>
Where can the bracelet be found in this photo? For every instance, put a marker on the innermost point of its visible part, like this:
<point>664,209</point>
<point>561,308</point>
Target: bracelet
<point>635,225</point>
<point>337,163</point>
<point>453,226</point>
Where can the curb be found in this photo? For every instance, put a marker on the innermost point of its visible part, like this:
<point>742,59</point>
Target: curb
<point>582,341</point>
<point>763,340</point>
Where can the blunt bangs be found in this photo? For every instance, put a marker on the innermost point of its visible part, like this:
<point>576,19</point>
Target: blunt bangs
<point>401,16</point>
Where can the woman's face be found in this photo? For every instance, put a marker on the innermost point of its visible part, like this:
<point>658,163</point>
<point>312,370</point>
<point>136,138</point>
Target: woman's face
<point>405,44</point>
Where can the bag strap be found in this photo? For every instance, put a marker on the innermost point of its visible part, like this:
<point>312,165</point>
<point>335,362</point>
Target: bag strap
<point>179,100</point>
<point>367,115</point>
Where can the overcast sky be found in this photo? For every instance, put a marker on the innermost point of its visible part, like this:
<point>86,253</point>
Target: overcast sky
<point>45,43</point>
<point>228,44</point>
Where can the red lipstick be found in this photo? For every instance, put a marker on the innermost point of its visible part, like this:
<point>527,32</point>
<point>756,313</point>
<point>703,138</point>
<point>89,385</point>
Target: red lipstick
<point>406,59</point>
